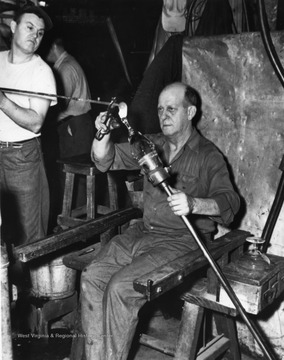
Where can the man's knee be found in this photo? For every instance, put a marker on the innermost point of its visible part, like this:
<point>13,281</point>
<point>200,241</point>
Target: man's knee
<point>87,277</point>
<point>119,288</point>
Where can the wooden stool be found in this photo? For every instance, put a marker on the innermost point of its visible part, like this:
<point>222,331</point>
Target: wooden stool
<point>82,165</point>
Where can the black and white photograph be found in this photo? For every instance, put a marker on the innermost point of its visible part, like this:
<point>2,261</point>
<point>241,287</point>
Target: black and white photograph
<point>142,179</point>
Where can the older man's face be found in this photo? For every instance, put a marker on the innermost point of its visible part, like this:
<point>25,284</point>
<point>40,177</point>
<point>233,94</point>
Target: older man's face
<point>172,114</point>
<point>28,33</point>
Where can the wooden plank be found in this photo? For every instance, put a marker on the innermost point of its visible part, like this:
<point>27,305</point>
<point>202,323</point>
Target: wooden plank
<point>91,197</point>
<point>227,325</point>
<point>68,193</point>
<point>208,301</point>
<point>212,350</point>
<point>112,191</point>
<point>69,221</point>
<point>166,277</point>
<point>81,169</point>
<point>189,332</point>
<point>157,344</point>
<point>90,228</point>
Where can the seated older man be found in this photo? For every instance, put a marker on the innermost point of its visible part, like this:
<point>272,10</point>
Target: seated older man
<point>201,189</point>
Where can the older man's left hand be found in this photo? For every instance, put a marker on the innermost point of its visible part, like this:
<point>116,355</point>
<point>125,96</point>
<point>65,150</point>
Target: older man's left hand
<point>180,203</point>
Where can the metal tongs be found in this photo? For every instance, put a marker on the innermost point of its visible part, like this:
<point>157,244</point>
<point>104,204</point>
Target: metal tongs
<point>110,120</point>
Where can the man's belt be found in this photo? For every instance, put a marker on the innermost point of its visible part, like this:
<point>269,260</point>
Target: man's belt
<point>14,144</point>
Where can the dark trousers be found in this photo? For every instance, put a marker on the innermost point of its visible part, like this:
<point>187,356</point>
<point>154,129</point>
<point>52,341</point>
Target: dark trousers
<point>109,303</point>
<point>76,135</point>
<point>24,201</point>
<point>24,193</point>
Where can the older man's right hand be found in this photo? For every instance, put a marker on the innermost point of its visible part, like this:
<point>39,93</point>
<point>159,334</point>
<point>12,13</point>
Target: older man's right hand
<point>100,122</point>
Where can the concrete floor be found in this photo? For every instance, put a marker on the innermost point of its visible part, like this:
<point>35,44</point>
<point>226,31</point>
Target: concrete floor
<point>57,346</point>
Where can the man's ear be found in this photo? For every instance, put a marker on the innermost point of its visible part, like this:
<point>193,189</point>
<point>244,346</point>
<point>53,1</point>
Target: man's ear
<point>13,25</point>
<point>191,111</point>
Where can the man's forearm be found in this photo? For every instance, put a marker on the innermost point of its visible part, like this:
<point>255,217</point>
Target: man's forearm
<point>100,148</point>
<point>203,206</point>
<point>26,118</point>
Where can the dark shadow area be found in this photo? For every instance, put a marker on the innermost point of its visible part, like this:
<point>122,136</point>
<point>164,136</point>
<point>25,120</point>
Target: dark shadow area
<point>33,347</point>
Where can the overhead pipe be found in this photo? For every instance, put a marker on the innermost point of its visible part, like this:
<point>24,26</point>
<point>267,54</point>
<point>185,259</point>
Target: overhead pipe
<point>275,61</point>
<point>268,44</point>
<point>118,49</point>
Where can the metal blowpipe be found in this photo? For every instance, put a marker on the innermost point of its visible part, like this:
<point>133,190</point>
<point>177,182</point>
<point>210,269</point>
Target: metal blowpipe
<point>48,96</point>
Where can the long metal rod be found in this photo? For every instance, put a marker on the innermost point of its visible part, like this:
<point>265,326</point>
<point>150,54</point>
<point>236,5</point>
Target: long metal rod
<point>50,96</point>
<point>274,211</point>
<point>225,283</point>
<point>118,48</point>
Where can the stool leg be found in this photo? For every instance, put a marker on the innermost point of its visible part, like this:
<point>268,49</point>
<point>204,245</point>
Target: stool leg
<point>113,205</point>
<point>227,326</point>
<point>68,193</point>
<point>91,182</point>
<point>42,324</point>
<point>189,331</point>
<point>112,190</point>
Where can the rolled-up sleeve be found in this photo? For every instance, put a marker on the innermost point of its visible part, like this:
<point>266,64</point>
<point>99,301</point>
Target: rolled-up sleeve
<point>104,164</point>
<point>118,158</point>
<point>220,188</point>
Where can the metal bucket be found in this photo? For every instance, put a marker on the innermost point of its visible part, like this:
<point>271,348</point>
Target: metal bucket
<point>53,279</point>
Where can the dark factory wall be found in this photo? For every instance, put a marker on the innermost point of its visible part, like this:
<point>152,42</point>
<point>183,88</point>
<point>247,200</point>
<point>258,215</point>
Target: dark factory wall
<point>86,27</point>
<point>243,114</point>
<point>243,106</point>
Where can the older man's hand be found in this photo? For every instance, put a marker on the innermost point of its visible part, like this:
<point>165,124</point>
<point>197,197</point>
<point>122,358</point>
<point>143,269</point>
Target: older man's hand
<point>99,122</point>
<point>180,203</point>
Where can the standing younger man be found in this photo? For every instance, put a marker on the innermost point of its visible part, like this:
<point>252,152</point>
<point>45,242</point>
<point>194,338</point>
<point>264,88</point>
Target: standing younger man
<point>24,187</point>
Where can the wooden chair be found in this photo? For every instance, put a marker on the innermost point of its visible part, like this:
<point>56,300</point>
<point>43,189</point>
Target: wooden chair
<point>152,285</point>
<point>200,297</point>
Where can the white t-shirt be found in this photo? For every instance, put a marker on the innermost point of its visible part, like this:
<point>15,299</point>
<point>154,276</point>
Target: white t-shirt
<point>35,76</point>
